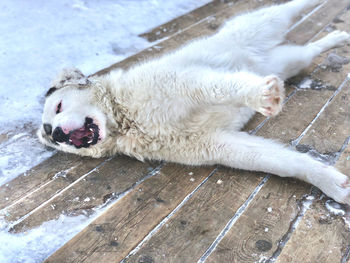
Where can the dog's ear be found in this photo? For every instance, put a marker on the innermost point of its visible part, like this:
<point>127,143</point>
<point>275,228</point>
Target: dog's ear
<point>66,77</point>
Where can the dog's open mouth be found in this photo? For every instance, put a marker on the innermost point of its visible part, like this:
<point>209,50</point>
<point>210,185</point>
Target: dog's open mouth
<point>85,136</point>
<point>82,137</point>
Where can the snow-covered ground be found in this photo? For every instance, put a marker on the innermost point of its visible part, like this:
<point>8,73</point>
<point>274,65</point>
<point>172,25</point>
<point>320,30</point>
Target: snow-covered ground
<point>38,38</point>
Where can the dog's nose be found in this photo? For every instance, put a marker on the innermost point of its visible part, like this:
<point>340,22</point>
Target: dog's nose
<point>59,136</point>
<point>88,120</point>
<point>47,128</point>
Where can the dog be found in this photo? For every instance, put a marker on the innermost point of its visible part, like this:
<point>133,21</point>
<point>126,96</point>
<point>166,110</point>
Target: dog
<point>190,105</point>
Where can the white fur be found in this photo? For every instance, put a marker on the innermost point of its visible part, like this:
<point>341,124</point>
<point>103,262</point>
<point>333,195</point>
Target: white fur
<point>189,106</point>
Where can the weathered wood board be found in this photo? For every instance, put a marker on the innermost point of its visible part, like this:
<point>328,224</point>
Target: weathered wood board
<point>325,237</point>
<point>126,223</point>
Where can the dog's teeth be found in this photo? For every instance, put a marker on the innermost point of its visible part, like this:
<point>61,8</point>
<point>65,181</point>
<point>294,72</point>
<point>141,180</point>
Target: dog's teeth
<point>90,141</point>
<point>91,129</point>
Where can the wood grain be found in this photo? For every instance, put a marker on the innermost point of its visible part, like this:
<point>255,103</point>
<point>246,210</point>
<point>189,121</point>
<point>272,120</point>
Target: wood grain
<point>110,237</point>
<point>182,22</point>
<point>200,220</point>
<point>320,236</point>
<point>98,187</point>
<point>42,174</point>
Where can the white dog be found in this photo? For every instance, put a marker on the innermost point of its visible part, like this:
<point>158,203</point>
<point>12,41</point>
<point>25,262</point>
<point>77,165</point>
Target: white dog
<point>189,106</point>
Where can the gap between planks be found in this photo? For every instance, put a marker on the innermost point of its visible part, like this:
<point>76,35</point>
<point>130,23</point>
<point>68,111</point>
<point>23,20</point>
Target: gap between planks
<point>166,219</point>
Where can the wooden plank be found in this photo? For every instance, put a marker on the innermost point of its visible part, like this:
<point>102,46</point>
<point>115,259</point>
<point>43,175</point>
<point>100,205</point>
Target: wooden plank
<point>43,174</point>
<point>326,14</point>
<point>107,182</point>
<point>328,133</point>
<point>52,186</point>
<point>330,137</point>
<point>182,22</point>
<point>111,236</point>
<point>320,236</point>
<point>199,221</point>
<point>327,136</point>
<point>256,233</point>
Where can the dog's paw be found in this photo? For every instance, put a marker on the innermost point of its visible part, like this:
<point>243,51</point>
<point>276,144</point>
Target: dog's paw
<point>336,185</point>
<point>338,38</point>
<point>272,95</point>
<point>343,193</point>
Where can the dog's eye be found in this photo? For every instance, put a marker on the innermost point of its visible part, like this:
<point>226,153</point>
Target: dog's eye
<point>59,107</point>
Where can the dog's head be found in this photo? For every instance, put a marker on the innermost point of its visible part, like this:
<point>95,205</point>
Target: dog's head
<point>71,120</point>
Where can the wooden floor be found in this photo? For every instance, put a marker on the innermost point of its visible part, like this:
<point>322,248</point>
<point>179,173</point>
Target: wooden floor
<point>164,212</point>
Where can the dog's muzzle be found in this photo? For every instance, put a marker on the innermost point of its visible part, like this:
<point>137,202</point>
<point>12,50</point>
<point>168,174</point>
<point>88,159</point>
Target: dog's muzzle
<point>82,137</point>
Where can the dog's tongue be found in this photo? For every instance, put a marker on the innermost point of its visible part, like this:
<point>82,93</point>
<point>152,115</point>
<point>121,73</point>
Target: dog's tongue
<point>77,136</point>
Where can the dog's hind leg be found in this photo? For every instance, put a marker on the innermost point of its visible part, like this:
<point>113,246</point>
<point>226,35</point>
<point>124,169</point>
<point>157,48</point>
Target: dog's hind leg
<point>266,27</point>
<point>243,40</point>
<point>243,151</point>
<point>287,61</point>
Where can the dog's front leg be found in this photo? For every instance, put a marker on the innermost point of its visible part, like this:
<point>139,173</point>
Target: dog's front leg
<point>242,89</point>
<point>243,151</point>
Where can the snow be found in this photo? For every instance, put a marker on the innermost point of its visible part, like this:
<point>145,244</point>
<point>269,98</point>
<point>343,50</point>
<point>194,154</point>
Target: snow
<point>38,38</point>
<point>334,208</point>
<point>310,197</point>
<point>35,245</point>
<point>306,83</point>
<point>337,209</point>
